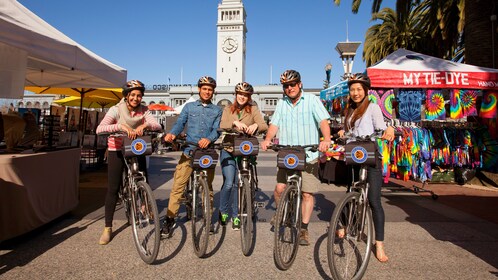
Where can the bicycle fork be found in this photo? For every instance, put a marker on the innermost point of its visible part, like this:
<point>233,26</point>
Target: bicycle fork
<point>297,179</point>
<point>362,187</point>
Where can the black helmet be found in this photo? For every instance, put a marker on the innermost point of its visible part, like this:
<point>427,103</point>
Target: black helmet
<point>206,80</point>
<point>359,78</point>
<point>244,88</point>
<point>131,85</point>
<point>290,76</point>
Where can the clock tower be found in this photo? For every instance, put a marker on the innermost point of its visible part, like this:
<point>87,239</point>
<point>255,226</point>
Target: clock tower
<point>231,43</point>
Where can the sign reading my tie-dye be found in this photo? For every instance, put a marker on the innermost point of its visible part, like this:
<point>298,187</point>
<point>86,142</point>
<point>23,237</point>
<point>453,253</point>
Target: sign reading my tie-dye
<point>434,105</point>
<point>409,104</point>
<point>488,105</point>
<point>463,103</point>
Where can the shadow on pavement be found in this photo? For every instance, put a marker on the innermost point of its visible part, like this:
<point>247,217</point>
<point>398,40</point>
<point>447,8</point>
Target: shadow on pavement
<point>461,230</point>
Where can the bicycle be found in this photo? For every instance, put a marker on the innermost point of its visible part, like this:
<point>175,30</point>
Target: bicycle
<point>196,196</point>
<point>350,232</point>
<point>244,150</point>
<point>287,225</point>
<point>137,198</point>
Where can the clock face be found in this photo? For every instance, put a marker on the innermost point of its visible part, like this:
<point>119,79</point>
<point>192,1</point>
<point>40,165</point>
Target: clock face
<point>229,45</point>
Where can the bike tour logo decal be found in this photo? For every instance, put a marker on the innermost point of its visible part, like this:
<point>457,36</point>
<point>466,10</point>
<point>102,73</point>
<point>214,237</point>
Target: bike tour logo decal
<point>246,147</point>
<point>359,154</point>
<point>291,161</point>
<point>205,161</point>
<point>138,146</point>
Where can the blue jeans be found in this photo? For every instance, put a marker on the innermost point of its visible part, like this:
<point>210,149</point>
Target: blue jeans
<point>230,189</point>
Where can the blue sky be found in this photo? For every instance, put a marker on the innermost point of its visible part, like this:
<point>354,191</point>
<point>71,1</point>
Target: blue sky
<point>154,40</point>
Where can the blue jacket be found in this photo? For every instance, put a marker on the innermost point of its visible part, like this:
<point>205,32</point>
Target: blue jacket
<point>201,122</point>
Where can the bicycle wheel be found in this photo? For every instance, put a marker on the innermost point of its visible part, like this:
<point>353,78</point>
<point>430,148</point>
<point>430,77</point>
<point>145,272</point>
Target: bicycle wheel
<point>201,217</point>
<point>287,227</point>
<point>146,226</point>
<point>246,221</point>
<point>348,250</point>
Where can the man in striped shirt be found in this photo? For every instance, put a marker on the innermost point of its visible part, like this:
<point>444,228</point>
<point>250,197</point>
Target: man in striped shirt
<point>297,118</point>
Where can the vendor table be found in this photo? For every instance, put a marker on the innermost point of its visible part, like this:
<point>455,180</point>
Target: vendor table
<point>36,188</point>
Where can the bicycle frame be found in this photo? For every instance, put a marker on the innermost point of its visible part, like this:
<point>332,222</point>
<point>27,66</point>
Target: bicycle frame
<point>245,170</point>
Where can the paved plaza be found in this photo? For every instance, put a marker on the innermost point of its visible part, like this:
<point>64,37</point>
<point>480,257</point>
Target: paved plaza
<point>425,238</point>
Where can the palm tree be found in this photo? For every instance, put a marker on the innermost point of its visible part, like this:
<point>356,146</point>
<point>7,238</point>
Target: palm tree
<point>397,30</point>
<point>472,20</point>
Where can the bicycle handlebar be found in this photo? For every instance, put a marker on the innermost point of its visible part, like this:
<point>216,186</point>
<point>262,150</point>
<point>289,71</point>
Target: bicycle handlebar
<point>277,147</point>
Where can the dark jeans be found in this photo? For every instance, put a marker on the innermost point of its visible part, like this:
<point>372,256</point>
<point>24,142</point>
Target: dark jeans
<point>375,180</point>
<point>115,165</point>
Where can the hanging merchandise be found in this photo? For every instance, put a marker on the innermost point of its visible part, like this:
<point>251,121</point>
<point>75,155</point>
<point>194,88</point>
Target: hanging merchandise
<point>469,99</point>
<point>386,103</point>
<point>373,96</point>
<point>488,106</point>
<point>463,103</point>
<point>409,105</point>
<point>434,105</point>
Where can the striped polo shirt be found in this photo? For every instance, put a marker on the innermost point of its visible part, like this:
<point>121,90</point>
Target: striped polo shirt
<point>299,124</point>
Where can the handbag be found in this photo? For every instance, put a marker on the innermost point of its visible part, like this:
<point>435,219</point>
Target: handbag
<point>361,152</point>
<point>140,146</point>
<point>245,146</point>
<point>291,158</point>
<point>204,159</point>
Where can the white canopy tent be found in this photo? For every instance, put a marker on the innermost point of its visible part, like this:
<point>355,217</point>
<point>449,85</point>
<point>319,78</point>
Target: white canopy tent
<point>179,109</point>
<point>408,69</point>
<point>43,56</point>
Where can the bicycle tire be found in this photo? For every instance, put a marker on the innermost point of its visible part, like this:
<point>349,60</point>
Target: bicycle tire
<point>201,217</point>
<point>348,256</point>
<point>246,221</point>
<point>287,228</point>
<point>145,222</point>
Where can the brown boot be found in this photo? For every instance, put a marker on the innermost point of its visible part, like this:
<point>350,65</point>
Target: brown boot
<point>105,238</point>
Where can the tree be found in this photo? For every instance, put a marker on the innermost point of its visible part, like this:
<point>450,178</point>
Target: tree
<point>458,27</point>
<point>397,30</point>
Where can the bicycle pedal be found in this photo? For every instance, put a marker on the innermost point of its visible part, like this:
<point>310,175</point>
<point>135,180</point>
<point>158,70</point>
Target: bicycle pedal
<point>260,204</point>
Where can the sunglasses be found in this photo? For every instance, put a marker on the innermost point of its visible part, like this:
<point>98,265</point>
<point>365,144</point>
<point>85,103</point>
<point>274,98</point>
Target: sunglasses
<point>289,85</point>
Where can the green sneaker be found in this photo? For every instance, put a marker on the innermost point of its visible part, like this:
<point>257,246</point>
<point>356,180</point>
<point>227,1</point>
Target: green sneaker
<point>236,223</point>
<point>223,219</point>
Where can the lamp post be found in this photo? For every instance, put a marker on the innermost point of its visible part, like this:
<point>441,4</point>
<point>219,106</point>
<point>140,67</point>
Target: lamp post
<point>347,51</point>
<point>328,69</point>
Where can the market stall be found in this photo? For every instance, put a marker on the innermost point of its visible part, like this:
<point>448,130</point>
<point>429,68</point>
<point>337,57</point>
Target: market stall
<point>37,185</point>
<point>445,110</point>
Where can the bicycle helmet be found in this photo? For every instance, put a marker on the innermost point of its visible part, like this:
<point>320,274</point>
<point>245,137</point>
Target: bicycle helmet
<point>244,88</point>
<point>131,85</point>
<point>290,76</point>
<point>359,78</point>
<point>206,80</point>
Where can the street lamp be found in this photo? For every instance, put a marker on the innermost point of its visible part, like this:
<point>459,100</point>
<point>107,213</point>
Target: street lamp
<point>328,69</point>
<point>347,51</point>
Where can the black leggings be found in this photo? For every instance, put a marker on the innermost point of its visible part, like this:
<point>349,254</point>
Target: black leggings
<point>115,165</point>
<point>375,181</point>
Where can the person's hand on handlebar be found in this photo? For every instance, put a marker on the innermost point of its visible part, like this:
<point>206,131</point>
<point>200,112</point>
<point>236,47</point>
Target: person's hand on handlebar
<point>324,146</point>
<point>341,133</point>
<point>240,125</point>
<point>251,129</point>
<point>203,143</point>
<point>388,134</point>
<point>265,144</point>
<point>140,129</point>
<point>169,137</point>
<point>129,131</point>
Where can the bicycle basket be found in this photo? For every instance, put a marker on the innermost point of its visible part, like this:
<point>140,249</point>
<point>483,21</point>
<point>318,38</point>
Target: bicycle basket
<point>140,146</point>
<point>361,152</point>
<point>245,146</point>
<point>291,158</point>
<point>204,158</point>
